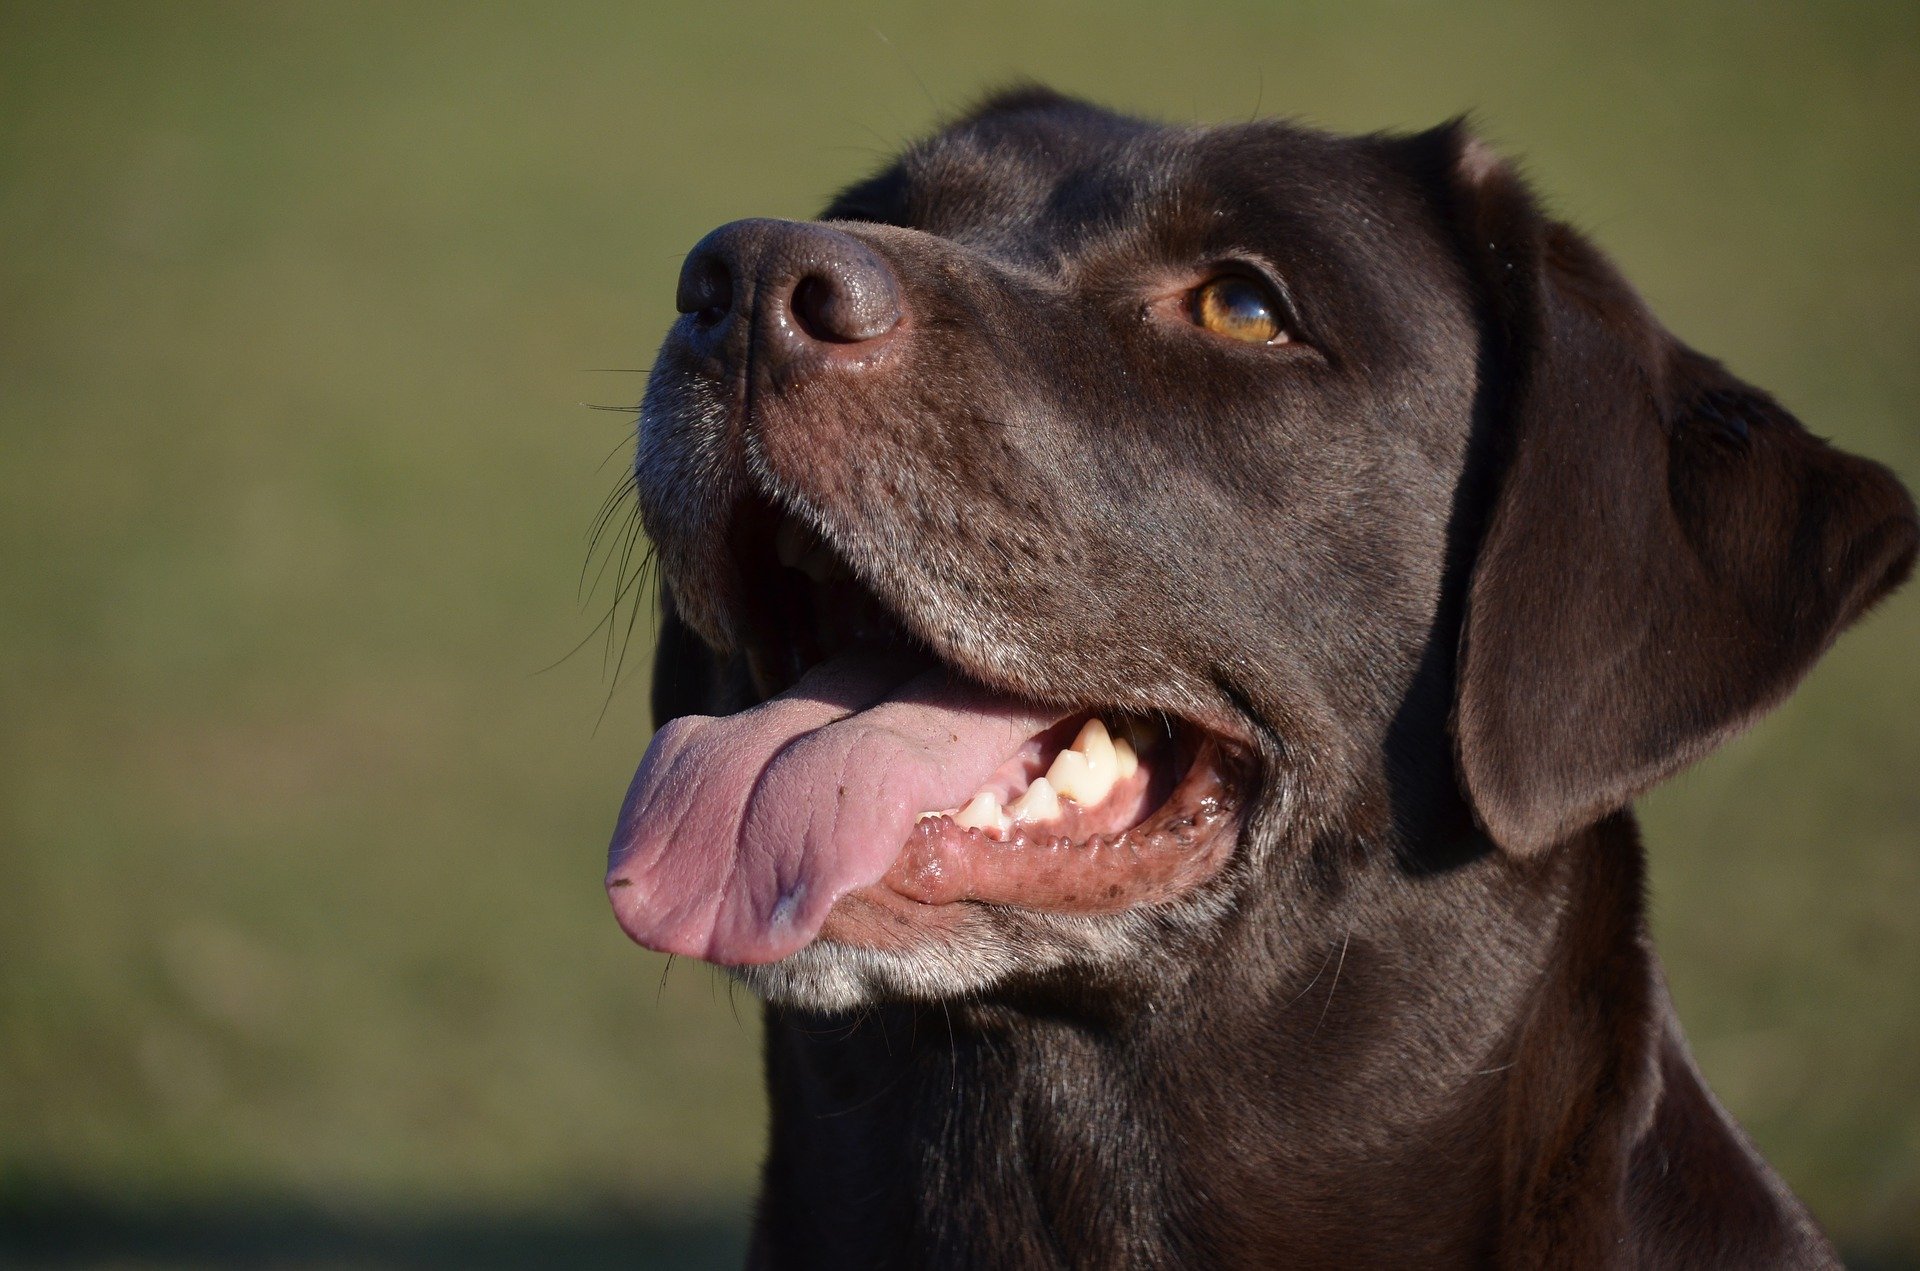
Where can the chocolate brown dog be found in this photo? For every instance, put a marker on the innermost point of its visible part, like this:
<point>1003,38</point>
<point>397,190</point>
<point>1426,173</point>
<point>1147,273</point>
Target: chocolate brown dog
<point>1161,629</point>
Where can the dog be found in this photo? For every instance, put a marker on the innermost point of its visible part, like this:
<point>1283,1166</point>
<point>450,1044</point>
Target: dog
<point>1160,631</point>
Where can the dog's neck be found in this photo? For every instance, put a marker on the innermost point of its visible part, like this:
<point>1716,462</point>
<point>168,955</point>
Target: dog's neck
<point>1497,1060</point>
<point>1335,1068</point>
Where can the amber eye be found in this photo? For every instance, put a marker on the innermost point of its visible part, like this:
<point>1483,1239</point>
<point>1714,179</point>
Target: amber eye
<point>1238,308</point>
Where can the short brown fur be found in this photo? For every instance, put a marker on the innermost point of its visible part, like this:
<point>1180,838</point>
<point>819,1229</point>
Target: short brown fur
<point>1506,555</point>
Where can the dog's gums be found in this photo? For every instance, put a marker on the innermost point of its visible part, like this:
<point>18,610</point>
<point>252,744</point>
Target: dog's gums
<point>1100,831</point>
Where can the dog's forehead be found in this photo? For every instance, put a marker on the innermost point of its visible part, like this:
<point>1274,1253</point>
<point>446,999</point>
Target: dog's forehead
<point>1038,182</point>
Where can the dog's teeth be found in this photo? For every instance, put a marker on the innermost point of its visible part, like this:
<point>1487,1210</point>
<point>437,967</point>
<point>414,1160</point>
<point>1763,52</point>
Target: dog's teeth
<point>1077,778</point>
<point>1103,770</point>
<point>790,542</point>
<point>1094,742</point>
<point>983,813</point>
<point>1085,771</point>
<point>1068,773</point>
<point>931,816</point>
<point>1039,803</point>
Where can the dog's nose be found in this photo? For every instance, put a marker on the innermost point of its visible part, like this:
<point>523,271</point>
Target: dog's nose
<point>799,287</point>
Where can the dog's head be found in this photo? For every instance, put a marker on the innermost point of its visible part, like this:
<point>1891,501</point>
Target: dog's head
<point>1085,518</point>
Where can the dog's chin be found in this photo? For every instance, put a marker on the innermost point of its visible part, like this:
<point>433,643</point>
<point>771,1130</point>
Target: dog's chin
<point>974,952</point>
<point>829,975</point>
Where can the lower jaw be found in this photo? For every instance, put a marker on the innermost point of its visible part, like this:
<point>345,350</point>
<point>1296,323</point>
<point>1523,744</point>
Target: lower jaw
<point>933,890</point>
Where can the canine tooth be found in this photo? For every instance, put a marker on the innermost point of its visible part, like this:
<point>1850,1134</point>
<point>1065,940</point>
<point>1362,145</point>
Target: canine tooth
<point>982,813</point>
<point>1039,803</point>
<point>1094,742</point>
<point>1125,761</point>
<point>1081,779</point>
<point>1103,768</point>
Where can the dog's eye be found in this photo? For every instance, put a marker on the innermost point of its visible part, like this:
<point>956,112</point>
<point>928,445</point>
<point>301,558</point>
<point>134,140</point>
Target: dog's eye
<point>1238,308</point>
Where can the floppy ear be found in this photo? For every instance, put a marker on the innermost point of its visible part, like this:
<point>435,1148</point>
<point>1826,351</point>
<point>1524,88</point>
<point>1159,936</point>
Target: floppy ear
<point>1666,550</point>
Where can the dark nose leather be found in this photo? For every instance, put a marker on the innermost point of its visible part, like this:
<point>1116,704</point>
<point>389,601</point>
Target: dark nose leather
<point>799,290</point>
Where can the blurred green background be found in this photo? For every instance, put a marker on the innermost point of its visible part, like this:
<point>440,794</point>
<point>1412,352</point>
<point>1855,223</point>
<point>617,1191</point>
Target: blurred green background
<point>303,955</point>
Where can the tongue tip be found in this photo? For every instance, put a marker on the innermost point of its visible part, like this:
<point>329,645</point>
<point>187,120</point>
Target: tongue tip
<point>707,936</point>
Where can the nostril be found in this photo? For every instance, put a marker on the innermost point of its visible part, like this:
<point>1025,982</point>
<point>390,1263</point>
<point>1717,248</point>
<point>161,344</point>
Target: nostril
<point>782,287</point>
<point>854,302</point>
<point>706,291</point>
<point>817,309</point>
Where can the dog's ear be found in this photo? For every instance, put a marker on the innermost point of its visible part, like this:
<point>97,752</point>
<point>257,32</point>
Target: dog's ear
<point>1665,551</point>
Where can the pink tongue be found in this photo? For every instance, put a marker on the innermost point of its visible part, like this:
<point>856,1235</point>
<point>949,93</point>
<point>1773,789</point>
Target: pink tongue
<point>739,833</point>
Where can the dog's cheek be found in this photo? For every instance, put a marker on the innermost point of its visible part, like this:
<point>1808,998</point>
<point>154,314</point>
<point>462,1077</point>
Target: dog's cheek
<point>685,485</point>
<point>990,560</point>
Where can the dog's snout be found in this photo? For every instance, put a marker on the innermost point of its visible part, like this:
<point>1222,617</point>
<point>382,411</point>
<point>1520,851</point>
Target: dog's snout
<point>796,288</point>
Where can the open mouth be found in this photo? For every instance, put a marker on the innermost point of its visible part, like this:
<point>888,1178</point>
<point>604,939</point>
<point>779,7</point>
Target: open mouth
<point>874,768</point>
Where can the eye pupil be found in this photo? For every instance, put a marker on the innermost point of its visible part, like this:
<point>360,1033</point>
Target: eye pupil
<point>1237,308</point>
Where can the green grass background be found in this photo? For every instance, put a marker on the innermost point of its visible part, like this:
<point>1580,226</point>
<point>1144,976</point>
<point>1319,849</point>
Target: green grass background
<point>303,954</point>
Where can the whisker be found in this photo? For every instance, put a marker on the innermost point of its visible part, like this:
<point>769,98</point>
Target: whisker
<point>584,641</point>
<point>619,507</point>
<point>615,503</point>
<point>620,446</point>
<point>606,619</point>
<point>628,541</point>
<point>1331,987</point>
<point>1324,962</point>
<point>627,531</point>
<point>643,575</point>
<point>615,500</point>
<point>661,991</point>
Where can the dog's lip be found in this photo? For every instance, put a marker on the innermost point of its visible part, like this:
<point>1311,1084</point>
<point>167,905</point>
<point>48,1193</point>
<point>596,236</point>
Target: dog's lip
<point>771,656</point>
<point>741,835</point>
<point>774,666</point>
